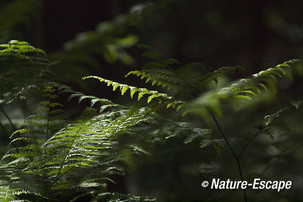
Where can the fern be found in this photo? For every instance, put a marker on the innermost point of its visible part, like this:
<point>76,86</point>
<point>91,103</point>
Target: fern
<point>212,94</point>
<point>22,68</point>
<point>77,159</point>
<point>85,146</point>
<point>242,93</point>
<point>40,127</point>
<point>162,97</point>
<point>94,101</point>
<point>211,86</point>
<point>184,80</point>
<point>90,147</point>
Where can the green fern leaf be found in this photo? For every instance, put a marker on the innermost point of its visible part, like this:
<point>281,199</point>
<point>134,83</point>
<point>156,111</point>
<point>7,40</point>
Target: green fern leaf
<point>297,104</point>
<point>141,94</point>
<point>152,97</point>
<point>115,85</point>
<point>243,97</point>
<point>83,97</point>
<point>123,89</point>
<point>133,90</point>
<point>94,101</point>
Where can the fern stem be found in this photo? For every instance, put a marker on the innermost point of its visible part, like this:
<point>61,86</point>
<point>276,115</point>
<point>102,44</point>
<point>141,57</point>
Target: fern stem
<point>46,133</point>
<point>254,136</point>
<point>189,84</point>
<point>223,149</point>
<point>60,175</point>
<point>67,153</point>
<point>233,153</point>
<point>3,128</point>
<point>48,119</point>
<point>249,141</point>
<point>5,131</point>
<point>8,118</point>
<point>13,126</point>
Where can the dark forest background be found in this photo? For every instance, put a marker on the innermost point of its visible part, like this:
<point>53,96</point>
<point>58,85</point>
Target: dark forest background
<point>253,34</point>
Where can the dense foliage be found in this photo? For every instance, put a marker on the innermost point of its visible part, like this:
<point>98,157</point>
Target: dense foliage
<point>184,123</point>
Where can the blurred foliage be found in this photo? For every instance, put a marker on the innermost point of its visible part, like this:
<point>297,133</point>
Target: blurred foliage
<point>190,121</point>
<point>19,19</point>
<point>102,51</point>
<point>21,66</point>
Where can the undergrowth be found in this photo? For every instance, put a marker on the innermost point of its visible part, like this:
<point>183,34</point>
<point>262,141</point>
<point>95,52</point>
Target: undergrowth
<point>52,158</point>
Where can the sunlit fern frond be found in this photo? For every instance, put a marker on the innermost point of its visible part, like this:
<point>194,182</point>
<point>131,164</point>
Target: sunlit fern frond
<point>243,93</point>
<point>169,101</point>
<point>182,81</point>
<point>22,68</point>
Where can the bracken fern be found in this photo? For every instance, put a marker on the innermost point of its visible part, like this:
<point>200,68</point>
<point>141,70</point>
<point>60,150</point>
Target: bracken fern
<point>52,158</point>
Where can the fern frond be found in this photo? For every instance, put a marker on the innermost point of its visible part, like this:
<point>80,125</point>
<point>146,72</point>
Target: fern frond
<point>294,107</point>
<point>6,192</point>
<point>93,147</point>
<point>160,77</point>
<point>140,92</point>
<point>21,162</point>
<point>212,78</point>
<point>185,81</point>
<point>264,80</point>
<point>104,103</point>
<point>243,92</point>
<point>88,144</point>
<point>20,51</point>
<point>22,69</point>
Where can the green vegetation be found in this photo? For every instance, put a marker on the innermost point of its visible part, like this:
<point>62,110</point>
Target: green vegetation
<point>157,138</point>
